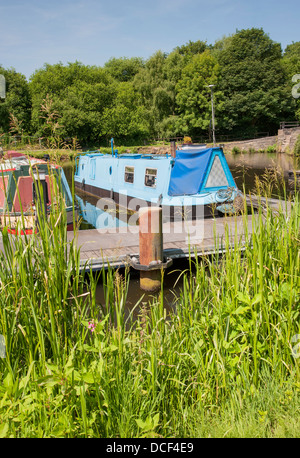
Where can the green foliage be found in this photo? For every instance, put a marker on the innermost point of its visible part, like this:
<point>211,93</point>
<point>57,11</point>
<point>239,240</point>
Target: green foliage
<point>253,81</point>
<point>80,95</point>
<point>291,58</point>
<point>124,69</point>
<point>164,96</point>
<point>155,85</point>
<point>225,362</point>
<point>191,48</point>
<point>124,120</point>
<point>236,150</point>
<point>193,95</point>
<point>17,102</point>
<point>291,65</point>
<point>272,149</point>
<point>297,147</point>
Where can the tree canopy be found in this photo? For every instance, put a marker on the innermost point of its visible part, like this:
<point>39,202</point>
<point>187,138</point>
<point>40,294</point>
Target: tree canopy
<point>253,82</point>
<point>17,103</point>
<point>167,95</point>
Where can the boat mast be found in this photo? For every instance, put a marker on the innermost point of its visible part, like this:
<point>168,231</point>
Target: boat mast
<point>213,112</point>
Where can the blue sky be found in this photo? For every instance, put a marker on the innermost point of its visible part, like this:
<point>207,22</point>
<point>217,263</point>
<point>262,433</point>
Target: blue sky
<point>34,32</point>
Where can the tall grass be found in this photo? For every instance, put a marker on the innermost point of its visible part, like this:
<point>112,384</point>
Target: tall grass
<point>224,363</point>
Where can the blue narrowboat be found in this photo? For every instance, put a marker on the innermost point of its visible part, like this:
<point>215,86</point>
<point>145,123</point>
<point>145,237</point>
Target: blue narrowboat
<point>194,179</point>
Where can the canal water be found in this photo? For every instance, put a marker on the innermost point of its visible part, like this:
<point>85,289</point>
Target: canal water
<point>245,168</point>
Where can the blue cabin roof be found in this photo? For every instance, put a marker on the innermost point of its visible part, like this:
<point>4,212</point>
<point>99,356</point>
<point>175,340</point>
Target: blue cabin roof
<point>195,171</point>
<point>188,172</point>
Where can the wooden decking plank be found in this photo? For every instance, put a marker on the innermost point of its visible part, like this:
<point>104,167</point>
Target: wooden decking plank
<point>101,247</point>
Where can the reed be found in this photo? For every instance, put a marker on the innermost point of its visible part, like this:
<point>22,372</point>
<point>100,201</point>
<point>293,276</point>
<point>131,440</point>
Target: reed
<point>224,362</point>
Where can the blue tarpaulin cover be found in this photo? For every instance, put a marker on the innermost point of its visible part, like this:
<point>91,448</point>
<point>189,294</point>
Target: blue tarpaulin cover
<point>189,171</point>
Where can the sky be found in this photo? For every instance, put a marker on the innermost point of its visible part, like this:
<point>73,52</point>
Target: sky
<point>35,32</point>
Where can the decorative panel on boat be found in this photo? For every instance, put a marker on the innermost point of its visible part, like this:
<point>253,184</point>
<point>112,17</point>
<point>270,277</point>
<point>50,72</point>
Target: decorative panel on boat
<point>217,175</point>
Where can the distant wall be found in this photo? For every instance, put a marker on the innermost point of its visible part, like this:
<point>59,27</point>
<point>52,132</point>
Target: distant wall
<point>256,144</point>
<point>287,139</point>
<point>154,149</point>
<point>284,141</point>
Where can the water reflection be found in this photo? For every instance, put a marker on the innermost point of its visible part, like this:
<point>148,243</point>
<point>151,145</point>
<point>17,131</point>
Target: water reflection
<point>94,217</point>
<point>246,167</point>
<point>137,299</point>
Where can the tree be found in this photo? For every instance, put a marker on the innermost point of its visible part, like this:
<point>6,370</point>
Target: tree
<point>193,95</point>
<point>124,120</point>
<point>80,95</point>
<point>291,64</point>
<point>17,104</point>
<point>124,69</point>
<point>253,82</point>
<point>156,87</point>
<point>191,48</point>
<point>291,58</point>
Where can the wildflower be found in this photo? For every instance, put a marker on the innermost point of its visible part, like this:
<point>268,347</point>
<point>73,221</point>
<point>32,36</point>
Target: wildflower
<point>91,326</point>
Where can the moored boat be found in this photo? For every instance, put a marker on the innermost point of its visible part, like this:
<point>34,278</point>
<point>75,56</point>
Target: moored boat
<point>25,181</point>
<point>191,183</point>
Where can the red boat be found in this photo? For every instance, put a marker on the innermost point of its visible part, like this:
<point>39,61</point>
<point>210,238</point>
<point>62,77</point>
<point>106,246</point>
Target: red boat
<point>25,183</point>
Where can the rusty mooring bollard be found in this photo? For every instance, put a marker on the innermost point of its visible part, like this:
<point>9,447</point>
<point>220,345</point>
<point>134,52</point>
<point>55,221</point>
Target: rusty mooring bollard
<point>151,259</point>
<point>151,247</point>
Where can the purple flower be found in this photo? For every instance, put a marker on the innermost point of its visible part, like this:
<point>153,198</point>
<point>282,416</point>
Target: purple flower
<point>92,326</point>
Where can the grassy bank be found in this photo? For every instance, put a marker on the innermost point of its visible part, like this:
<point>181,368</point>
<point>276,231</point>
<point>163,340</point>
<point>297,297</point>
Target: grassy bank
<point>224,363</point>
<point>66,154</point>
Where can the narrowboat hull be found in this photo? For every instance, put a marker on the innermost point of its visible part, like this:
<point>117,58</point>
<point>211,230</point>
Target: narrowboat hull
<point>28,222</point>
<point>132,203</point>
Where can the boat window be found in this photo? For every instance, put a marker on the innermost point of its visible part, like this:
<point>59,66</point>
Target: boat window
<point>40,192</point>
<point>129,174</point>
<point>93,169</point>
<point>150,178</point>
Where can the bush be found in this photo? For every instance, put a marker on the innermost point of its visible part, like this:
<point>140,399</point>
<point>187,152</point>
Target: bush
<point>272,149</point>
<point>235,150</point>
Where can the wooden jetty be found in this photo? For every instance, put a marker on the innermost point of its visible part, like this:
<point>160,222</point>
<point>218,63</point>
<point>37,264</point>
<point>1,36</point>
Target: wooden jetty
<point>100,248</point>
<point>117,247</point>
